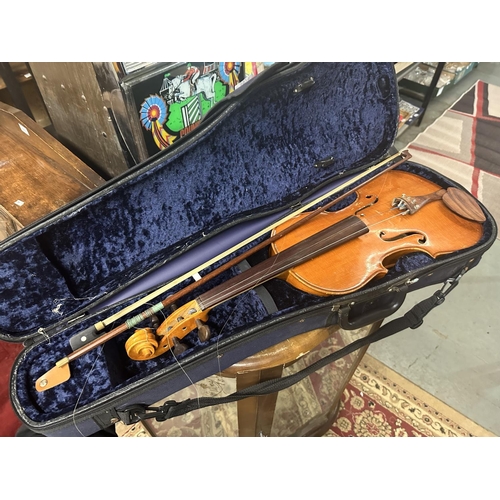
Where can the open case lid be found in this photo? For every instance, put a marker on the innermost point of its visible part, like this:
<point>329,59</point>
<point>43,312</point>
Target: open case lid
<point>286,134</point>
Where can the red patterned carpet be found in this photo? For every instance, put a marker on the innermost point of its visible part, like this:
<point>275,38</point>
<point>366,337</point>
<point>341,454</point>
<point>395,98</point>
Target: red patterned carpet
<point>464,144</point>
<point>380,403</point>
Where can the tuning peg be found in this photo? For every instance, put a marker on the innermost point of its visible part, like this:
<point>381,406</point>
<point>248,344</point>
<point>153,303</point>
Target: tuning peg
<point>179,347</point>
<point>204,332</point>
<point>154,321</point>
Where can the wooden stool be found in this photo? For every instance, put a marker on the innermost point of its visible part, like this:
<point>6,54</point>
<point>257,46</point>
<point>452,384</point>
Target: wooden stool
<point>256,414</point>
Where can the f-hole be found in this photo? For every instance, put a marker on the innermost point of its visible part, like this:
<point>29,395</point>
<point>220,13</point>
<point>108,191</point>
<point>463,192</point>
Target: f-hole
<point>384,237</point>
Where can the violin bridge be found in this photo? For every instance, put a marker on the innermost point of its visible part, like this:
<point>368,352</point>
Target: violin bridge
<point>407,204</point>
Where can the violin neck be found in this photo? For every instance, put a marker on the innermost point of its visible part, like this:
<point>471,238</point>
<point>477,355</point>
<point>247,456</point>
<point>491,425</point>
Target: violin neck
<point>335,235</point>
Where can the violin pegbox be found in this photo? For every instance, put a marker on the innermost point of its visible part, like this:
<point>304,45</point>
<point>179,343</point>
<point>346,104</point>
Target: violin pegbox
<point>148,343</point>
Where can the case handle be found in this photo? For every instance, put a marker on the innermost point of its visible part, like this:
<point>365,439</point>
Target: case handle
<point>353,316</point>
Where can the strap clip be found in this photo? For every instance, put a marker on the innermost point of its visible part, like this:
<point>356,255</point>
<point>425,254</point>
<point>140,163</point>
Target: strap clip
<point>138,412</point>
<point>132,414</point>
<point>447,287</point>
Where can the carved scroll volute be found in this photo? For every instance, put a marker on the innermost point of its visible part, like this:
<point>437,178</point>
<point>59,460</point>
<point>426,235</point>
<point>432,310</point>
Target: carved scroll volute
<point>180,323</point>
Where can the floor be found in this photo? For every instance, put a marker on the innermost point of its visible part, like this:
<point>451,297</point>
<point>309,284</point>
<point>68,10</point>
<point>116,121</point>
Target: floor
<point>455,354</point>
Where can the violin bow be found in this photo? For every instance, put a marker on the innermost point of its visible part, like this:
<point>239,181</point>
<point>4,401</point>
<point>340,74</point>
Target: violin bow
<point>61,373</point>
<point>101,325</point>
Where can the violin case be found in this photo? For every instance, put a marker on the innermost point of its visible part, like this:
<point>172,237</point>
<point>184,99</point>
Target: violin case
<point>279,141</point>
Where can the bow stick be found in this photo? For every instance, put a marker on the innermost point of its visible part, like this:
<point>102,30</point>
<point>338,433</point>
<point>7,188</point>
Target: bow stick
<point>101,325</point>
<point>61,373</point>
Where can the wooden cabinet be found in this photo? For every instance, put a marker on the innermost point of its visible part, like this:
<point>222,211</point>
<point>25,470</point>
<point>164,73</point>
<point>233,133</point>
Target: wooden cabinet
<point>37,174</point>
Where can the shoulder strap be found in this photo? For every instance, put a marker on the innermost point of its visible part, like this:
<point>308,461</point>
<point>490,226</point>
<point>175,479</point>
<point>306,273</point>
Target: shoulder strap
<point>412,319</point>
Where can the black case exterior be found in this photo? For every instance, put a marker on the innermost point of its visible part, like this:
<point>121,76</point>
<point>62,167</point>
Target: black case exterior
<point>290,134</point>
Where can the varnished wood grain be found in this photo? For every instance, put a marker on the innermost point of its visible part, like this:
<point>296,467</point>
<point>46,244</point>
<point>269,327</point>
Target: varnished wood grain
<point>37,174</point>
<point>434,229</point>
<point>281,354</point>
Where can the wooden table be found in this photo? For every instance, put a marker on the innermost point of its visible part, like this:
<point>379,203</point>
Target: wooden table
<point>37,173</point>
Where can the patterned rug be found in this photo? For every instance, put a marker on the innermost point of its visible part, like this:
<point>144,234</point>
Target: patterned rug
<point>464,144</point>
<point>377,402</point>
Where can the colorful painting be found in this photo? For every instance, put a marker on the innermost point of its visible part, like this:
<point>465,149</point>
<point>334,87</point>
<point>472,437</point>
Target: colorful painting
<point>186,93</point>
<point>153,116</point>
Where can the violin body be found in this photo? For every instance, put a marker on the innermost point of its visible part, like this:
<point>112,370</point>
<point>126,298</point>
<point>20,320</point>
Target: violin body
<point>433,229</point>
<point>339,252</point>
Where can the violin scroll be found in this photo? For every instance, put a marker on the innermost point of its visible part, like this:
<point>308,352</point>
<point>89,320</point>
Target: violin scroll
<point>142,344</point>
<point>148,343</point>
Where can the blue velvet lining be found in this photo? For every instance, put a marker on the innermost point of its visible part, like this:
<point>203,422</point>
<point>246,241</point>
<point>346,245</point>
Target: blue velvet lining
<point>257,158</point>
<point>107,370</point>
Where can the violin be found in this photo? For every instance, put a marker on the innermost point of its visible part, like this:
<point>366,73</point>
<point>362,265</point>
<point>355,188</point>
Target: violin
<point>338,252</point>
<point>90,337</point>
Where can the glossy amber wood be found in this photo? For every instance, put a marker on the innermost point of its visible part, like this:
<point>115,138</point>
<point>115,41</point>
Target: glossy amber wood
<point>433,229</point>
<point>281,354</point>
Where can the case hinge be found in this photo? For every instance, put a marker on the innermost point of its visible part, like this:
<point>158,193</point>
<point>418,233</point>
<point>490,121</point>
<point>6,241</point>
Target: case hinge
<point>304,85</point>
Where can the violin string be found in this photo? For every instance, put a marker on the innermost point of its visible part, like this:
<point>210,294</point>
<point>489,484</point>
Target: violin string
<point>99,352</point>
<point>219,335</point>
<point>250,280</point>
<point>216,297</point>
<point>384,180</point>
<point>259,281</point>
<point>192,383</point>
<point>179,364</point>
<point>173,354</point>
